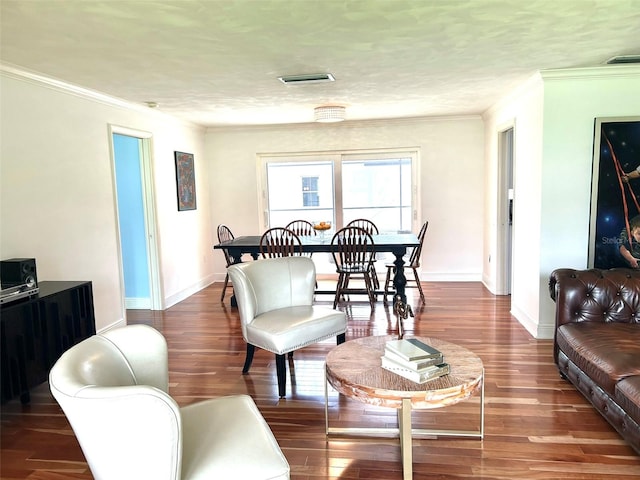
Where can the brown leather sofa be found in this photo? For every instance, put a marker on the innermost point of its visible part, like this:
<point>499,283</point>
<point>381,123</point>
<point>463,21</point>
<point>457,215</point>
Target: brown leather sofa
<point>597,341</point>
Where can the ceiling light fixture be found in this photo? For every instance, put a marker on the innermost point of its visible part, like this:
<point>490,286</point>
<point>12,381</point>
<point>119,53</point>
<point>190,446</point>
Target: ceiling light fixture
<point>329,114</point>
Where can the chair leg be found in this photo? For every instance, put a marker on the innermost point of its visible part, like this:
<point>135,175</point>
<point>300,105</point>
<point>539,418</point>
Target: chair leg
<point>338,290</point>
<point>370,291</point>
<point>387,281</point>
<point>374,277</point>
<point>249,358</point>
<point>341,338</point>
<point>281,371</point>
<point>415,274</point>
<point>224,287</point>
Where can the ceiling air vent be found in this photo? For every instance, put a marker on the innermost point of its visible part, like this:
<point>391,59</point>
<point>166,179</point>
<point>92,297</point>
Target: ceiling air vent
<point>304,79</point>
<point>624,59</point>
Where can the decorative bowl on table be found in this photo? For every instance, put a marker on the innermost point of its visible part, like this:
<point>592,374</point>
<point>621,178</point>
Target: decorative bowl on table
<point>321,226</point>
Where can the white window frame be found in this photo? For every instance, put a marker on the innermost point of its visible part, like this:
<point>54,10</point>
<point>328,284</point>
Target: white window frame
<point>337,157</point>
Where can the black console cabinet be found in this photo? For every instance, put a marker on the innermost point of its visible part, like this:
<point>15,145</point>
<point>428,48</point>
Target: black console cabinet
<point>37,330</point>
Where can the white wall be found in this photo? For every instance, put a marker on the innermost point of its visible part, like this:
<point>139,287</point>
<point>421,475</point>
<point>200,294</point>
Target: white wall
<point>57,194</point>
<point>451,178</point>
<point>554,126</point>
<point>523,111</point>
<point>573,99</point>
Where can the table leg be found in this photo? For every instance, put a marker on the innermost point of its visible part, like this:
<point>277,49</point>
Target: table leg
<point>406,447</point>
<point>236,256</point>
<point>326,403</point>
<point>399,280</point>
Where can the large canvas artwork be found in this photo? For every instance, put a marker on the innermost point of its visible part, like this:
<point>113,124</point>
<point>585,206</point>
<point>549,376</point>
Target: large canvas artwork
<point>186,181</point>
<point>615,194</point>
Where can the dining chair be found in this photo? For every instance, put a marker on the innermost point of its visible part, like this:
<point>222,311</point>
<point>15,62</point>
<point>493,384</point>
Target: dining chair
<point>353,250</point>
<point>371,229</point>
<point>277,314</point>
<point>113,389</point>
<point>279,242</point>
<point>225,235</point>
<point>302,228</point>
<point>412,262</point>
<point>365,224</point>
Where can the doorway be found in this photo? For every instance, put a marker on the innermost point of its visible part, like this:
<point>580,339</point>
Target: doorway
<point>136,219</point>
<point>506,206</point>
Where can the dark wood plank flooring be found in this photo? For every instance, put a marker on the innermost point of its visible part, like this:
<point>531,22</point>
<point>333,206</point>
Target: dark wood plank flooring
<point>537,426</point>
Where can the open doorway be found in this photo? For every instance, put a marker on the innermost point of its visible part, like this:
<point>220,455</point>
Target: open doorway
<point>506,209</point>
<point>131,157</point>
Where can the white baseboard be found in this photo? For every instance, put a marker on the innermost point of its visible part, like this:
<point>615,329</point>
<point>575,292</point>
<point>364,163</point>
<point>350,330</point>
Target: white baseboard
<point>137,303</point>
<point>116,324</point>
<point>187,292</point>
<point>424,276</point>
<point>451,277</point>
<point>537,331</point>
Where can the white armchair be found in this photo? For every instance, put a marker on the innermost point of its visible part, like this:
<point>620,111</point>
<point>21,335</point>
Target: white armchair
<point>275,300</point>
<point>113,389</point>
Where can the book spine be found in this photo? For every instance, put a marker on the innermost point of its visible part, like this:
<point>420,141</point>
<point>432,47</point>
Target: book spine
<point>442,369</point>
<point>423,346</point>
<point>413,364</point>
<point>422,356</point>
<point>430,374</point>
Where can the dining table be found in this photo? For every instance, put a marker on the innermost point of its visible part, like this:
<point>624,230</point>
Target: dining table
<point>395,243</point>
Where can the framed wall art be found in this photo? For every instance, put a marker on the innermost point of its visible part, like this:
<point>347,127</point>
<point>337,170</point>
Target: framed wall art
<point>185,181</point>
<point>614,231</point>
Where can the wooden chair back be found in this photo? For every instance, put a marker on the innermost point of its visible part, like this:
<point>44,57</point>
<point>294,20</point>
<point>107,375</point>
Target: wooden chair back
<point>280,242</point>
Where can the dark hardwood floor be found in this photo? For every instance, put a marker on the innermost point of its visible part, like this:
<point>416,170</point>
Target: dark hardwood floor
<point>537,426</point>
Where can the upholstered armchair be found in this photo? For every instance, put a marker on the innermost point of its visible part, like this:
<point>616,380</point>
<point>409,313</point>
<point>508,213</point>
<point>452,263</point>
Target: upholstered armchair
<point>113,389</point>
<point>275,301</point>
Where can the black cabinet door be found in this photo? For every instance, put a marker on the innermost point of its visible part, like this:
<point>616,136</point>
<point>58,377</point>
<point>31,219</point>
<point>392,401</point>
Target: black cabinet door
<point>36,331</point>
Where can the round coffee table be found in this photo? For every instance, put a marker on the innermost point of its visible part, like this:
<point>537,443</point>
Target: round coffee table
<point>354,369</point>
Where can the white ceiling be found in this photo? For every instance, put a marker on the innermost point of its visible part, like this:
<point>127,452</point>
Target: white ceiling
<point>217,62</point>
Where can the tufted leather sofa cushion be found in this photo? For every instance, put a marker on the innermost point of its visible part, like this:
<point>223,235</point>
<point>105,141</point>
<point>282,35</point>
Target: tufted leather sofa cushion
<point>605,296</point>
<point>596,295</point>
<point>607,353</point>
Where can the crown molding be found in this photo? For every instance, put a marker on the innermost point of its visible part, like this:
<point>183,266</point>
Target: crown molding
<point>17,73</point>
<point>628,70</point>
<point>32,77</point>
<point>378,122</point>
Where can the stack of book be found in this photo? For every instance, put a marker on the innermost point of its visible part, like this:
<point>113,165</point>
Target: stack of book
<point>414,360</point>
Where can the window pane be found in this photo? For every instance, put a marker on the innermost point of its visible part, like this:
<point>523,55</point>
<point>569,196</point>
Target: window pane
<point>300,191</point>
<point>379,190</point>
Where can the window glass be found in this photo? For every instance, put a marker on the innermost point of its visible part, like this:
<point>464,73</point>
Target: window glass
<point>299,191</point>
<point>376,186</point>
<point>379,190</point>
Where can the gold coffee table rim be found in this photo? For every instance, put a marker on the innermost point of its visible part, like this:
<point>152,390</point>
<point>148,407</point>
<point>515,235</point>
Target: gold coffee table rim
<point>354,369</point>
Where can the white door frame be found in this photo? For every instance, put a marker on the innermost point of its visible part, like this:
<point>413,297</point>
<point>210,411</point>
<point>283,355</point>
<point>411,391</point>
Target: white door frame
<point>148,200</point>
<point>506,209</point>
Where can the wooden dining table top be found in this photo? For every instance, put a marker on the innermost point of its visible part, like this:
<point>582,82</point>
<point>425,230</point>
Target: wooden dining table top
<point>396,243</point>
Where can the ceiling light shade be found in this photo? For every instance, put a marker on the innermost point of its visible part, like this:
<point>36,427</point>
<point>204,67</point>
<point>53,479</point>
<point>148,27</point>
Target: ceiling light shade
<point>329,114</point>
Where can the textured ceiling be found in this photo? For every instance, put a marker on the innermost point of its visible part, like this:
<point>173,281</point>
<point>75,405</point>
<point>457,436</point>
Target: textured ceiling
<point>218,62</point>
